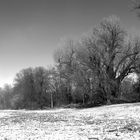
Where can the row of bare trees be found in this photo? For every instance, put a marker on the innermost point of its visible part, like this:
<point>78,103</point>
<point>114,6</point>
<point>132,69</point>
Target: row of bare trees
<point>89,71</point>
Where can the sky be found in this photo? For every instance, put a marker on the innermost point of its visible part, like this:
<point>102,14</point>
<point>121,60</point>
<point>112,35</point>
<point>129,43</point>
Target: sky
<point>31,30</point>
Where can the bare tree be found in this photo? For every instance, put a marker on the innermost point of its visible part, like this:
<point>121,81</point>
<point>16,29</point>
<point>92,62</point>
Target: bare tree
<point>66,61</point>
<point>109,55</point>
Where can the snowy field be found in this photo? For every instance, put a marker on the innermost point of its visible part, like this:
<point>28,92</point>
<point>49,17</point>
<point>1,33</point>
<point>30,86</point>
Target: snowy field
<point>115,122</point>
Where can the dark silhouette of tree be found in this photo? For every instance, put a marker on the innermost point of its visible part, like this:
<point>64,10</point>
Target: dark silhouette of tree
<point>41,83</point>
<point>31,85</point>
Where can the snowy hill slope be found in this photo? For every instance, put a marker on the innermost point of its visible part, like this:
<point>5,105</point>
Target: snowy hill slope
<point>115,122</point>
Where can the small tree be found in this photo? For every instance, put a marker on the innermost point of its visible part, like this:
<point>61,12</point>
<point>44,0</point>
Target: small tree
<point>66,65</point>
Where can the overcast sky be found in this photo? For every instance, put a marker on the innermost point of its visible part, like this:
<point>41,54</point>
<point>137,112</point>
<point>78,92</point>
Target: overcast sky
<point>30,30</point>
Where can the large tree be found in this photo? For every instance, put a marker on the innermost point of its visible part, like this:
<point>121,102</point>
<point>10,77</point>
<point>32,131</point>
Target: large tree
<point>109,54</point>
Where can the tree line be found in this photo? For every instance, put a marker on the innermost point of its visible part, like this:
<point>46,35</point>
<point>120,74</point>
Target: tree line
<point>92,71</point>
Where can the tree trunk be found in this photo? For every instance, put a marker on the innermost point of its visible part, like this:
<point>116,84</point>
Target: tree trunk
<point>83,99</point>
<point>51,100</point>
<point>116,89</point>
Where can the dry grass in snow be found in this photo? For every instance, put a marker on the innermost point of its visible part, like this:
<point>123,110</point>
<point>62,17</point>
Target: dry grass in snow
<point>115,122</point>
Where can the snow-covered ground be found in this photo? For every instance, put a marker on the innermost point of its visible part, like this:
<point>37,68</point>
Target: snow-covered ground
<point>115,122</point>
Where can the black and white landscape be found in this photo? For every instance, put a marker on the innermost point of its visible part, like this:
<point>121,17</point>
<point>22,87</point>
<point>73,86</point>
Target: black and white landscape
<point>69,69</point>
